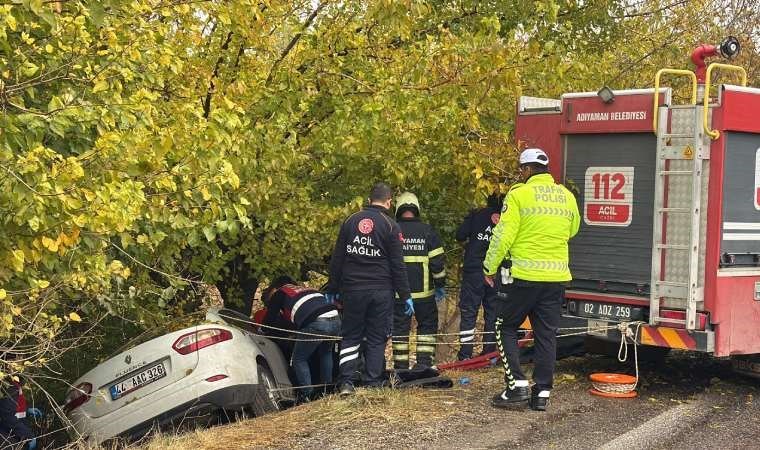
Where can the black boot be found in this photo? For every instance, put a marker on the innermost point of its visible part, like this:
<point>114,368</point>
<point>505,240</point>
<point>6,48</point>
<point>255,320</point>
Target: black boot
<point>346,389</point>
<point>511,397</point>
<point>538,402</point>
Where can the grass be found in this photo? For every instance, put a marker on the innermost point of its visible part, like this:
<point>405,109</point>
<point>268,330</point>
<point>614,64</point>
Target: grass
<point>367,408</point>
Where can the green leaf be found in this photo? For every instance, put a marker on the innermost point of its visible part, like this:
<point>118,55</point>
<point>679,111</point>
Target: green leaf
<point>34,5</point>
<point>210,233</point>
<point>49,17</point>
<point>29,69</point>
<point>97,13</point>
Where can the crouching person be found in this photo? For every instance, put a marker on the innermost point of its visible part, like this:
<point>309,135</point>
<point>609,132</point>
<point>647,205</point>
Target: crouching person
<point>310,314</point>
<point>13,431</point>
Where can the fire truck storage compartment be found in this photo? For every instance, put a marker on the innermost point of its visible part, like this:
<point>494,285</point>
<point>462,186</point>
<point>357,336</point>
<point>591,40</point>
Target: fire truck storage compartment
<point>614,174</point>
<point>740,237</point>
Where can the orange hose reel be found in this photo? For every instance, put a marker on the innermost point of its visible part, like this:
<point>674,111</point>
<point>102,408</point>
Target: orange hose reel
<point>613,385</point>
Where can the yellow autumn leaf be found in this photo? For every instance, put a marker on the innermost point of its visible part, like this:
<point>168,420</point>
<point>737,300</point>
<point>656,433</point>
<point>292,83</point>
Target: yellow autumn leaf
<point>15,310</point>
<point>100,85</point>
<point>3,294</point>
<point>50,244</point>
<point>42,284</point>
<point>17,260</point>
<point>74,317</point>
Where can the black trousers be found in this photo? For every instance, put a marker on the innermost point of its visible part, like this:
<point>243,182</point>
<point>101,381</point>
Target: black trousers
<point>542,303</point>
<point>426,313</point>
<point>474,293</point>
<point>367,319</point>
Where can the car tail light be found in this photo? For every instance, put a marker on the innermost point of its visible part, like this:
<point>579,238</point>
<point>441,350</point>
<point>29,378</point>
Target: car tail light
<point>192,342</point>
<point>77,396</point>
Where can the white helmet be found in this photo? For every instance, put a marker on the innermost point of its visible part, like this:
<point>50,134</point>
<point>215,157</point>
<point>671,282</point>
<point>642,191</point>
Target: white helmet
<point>534,155</point>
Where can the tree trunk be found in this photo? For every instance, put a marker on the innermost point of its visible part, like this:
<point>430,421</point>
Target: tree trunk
<point>238,286</point>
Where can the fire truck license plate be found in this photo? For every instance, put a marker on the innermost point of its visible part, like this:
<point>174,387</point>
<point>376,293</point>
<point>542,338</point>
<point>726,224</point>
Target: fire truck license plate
<point>623,313</point>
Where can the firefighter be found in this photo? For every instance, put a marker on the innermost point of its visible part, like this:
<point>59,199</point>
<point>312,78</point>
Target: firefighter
<point>366,268</point>
<point>537,222</point>
<point>475,233</point>
<point>309,312</point>
<point>423,254</point>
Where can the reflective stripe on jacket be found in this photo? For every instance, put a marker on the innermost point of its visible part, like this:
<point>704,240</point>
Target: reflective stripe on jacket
<point>424,257</point>
<point>300,304</point>
<point>539,219</point>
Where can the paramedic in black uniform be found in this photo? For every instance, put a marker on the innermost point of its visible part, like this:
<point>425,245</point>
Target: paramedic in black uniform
<point>367,270</point>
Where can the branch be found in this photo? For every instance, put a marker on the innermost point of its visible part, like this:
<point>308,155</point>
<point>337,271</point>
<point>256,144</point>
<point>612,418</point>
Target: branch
<point>214,75</point>
<point>294,41</point>
<point>655,11</point>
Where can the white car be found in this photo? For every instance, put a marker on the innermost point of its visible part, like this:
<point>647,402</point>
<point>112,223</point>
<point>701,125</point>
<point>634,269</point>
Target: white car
<point>184,377</point>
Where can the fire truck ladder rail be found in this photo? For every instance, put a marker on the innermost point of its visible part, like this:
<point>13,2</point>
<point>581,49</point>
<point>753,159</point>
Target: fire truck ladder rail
<point>673,246</point>
<point>670,320</point>
<point>674,210</point>
<point>666,280</point>
<point>675,172</point>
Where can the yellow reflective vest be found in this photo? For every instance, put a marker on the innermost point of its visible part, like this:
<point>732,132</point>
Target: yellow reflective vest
<point>538,220</point>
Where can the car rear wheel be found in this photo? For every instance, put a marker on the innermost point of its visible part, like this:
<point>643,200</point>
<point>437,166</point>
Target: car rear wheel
<point>266,399</point>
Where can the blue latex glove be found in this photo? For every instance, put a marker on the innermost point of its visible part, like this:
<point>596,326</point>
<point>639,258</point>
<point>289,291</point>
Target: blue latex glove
<point>409,309</point>
<point>34,412</point>
<point>32,444</point>
<point>332,297</point>
<point>440,294</point>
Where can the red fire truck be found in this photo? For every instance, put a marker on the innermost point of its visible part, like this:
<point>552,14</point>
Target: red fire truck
<point>670,197</point>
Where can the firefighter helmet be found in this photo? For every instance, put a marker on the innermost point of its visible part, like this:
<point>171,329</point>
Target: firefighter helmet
<point>407,202</point>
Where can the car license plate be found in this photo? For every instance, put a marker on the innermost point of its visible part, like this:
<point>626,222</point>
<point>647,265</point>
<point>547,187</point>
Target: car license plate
<point>610,311</point>
<point>138,380</point>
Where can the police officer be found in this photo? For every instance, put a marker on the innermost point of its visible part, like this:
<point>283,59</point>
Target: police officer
<point>423,254</point>
<point>367,266</point>
<point>475,232</point>
<point>538,220</point>
<point>309,312</point>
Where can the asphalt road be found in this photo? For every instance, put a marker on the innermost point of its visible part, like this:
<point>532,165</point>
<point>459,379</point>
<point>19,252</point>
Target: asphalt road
<point>685,401</point>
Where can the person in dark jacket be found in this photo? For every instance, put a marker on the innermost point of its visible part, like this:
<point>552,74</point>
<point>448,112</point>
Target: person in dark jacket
<point>367,266</point>
<point>423,254</point>
<point>13,430</point>
<point>475,233</point>
<point>310,313</point>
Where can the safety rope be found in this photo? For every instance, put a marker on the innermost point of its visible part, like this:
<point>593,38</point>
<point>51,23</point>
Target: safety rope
<point>326,337</point>
<point>625,334</point>
<point>295,388</point>
<point>581,333</point>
